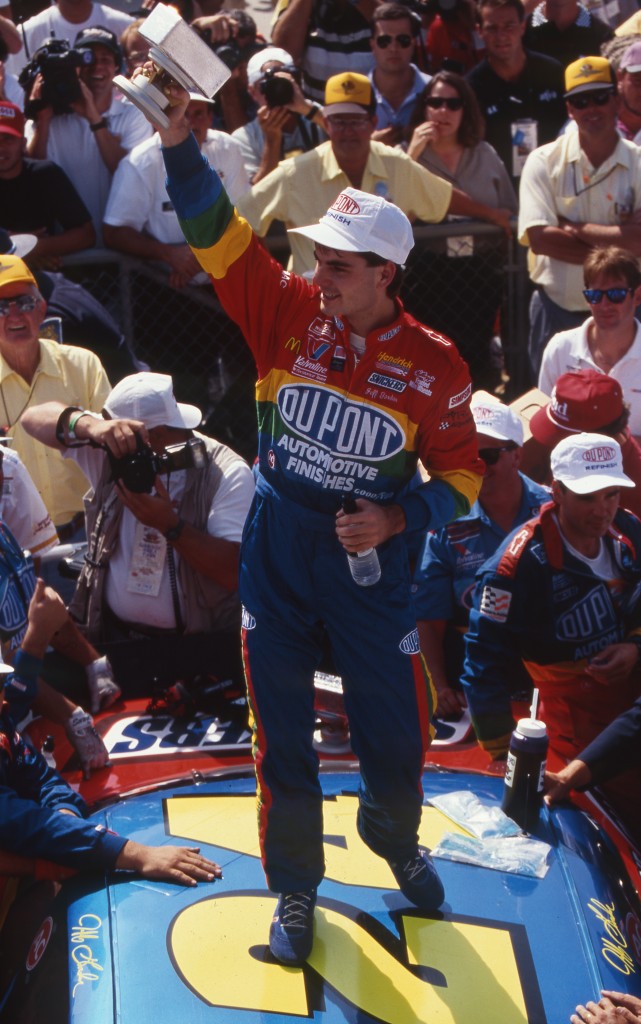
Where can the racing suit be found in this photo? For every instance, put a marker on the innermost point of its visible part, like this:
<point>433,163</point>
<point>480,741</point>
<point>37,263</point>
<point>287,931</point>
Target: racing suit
<point>536,602</point>
<point>331,425</point>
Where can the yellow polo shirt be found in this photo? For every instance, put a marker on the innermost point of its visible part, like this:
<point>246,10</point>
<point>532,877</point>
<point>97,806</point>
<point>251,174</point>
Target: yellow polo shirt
<point>68,374</point>
<point>300,190</point>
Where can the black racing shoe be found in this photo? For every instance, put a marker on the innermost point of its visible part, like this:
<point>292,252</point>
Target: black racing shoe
<point>291,935</point>
<point>418,880</point>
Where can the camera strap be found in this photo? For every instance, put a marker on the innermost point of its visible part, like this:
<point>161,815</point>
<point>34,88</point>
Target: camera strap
<point>309,141</point>
<point>171,566</point>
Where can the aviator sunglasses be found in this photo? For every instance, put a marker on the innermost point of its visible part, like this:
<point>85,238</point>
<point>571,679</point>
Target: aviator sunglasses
<point>451,102</point>
<point>403,40</point>
<point>585,99</point>
<point>24,304</point>
<point>593,296</point>
<point>491,456</point>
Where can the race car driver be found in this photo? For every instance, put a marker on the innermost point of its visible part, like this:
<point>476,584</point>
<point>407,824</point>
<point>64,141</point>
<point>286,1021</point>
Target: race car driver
<point>351,391</point>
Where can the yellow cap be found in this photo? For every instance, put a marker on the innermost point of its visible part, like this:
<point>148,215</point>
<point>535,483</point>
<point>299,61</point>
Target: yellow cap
<point>587,74</point>
<point>348,93</point>
<point>13,270</point>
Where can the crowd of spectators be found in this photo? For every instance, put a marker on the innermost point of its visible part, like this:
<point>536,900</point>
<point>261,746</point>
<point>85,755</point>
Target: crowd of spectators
<point>490,112</point>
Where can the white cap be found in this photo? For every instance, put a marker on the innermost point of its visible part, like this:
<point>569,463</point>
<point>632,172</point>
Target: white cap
<point>495,419</point>
<point>359,222</point>
<point>588,462</point>
<point>149,397</point>
<point>256,63</point>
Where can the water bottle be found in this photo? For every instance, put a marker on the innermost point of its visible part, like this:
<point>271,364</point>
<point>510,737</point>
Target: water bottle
<point>526,759</point>
<point>363,565</point>
<point>47,749</point>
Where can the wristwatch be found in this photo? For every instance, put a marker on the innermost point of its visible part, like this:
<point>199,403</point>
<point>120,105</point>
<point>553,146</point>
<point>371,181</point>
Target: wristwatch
<point>174,532</point>
<point>313,111</point>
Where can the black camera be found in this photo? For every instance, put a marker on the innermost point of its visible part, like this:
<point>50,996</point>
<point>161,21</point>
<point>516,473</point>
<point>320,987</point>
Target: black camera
<point>139,471</point>
<point>279,91</point>
<point>58,64</point>
<point>235,49</point>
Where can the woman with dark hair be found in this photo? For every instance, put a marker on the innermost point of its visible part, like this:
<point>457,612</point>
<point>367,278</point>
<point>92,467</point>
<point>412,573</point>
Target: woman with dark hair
<point>465,271</point>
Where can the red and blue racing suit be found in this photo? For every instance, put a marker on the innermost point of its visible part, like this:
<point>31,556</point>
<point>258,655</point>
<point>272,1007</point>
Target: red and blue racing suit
<point>331,425</point>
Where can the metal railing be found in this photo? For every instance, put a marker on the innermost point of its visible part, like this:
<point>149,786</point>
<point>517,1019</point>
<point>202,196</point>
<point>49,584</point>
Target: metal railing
<point>186,334</point>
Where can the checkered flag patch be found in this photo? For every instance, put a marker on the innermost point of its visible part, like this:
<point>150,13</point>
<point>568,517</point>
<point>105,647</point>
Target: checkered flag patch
<point>495,603</point>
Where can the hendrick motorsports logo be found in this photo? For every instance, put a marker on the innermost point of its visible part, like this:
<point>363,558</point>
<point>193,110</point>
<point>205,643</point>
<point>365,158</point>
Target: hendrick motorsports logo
<point>338,424</point>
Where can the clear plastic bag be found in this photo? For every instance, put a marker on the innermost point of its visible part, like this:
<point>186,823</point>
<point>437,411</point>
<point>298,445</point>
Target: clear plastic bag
<point>518,855</point>
<point>482,820</point>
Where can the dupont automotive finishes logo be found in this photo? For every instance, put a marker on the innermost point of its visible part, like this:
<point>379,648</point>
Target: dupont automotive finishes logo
<point>336,423</point>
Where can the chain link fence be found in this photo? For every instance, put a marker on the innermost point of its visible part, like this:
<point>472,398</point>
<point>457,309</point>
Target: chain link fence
<point>465,280</point>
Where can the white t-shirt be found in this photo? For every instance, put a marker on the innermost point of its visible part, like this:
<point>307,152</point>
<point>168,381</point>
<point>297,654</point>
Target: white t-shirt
<point>50,22</point>
<point>22,508</point>
<point>569,350</point>
<point>226,520</point>
<point>72,145</point>
<point>138,197</point>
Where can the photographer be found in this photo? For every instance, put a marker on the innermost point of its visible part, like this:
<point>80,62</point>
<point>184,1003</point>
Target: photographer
<point>286,124</point>
<point>234,38</point>
<point>89,136</point>
<point>162,564</point>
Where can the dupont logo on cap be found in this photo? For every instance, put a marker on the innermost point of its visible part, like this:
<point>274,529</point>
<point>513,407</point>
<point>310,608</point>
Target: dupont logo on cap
<point>589,462</point>
<point>602,455</point>
<point>345,204</point>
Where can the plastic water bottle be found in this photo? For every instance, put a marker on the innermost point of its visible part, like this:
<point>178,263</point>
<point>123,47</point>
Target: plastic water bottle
<point>47,750</point>
<point>526,760</point>
<point>363,565</point>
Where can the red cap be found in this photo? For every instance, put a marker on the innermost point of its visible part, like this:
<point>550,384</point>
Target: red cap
<point>583,401</point>
<point>11,119</point>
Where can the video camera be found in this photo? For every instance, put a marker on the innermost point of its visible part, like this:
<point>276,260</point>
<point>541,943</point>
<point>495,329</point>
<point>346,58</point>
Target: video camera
<point>139,471</point>
<point>58,63</point>
<point>279,91</point>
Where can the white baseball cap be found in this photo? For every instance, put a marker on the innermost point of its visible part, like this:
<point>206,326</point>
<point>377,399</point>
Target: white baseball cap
<point>589,462</point>
<point>149,397</point>
<point>268,55</point>
<point>496,420</point>
<point>359,222</point>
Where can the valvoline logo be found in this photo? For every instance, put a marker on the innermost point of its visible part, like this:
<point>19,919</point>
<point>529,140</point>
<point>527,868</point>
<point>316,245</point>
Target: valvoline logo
<point>345,204</point>
<point>338,424</point>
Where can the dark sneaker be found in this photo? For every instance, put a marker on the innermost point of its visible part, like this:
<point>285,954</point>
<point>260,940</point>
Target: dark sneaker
<point>418,880</point>
<point>291,935</point>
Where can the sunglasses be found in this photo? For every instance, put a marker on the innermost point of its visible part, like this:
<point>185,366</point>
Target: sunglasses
<point>345,123</point>
<point>586,99</point>
<point>451,102</point>
<point>491,456</point>
<point>615,295</point>
<point>403,40</point>
<point>23,303</point>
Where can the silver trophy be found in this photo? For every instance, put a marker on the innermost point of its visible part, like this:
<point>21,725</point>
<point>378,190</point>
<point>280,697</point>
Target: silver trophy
<point>179,55</point>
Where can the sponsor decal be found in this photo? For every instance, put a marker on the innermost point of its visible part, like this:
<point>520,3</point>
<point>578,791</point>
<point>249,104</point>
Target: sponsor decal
<point>344,203</point>
<point>314,462</point>
<point>601,456</point>
<point>339,359</point>
<point>460,398</point>
<point>495,603</point>
<point>589,617</point>
<point>389,334</point>
<point>271,458</point>
<point>394,364</point>
<point>310,369</point>
<point>248,620</point>
<point>410,643</point>
<point>519,540</point>
<point>387,382</point>
<point>39,944</point>
<point>422,381</point>
<point>284,279</point>
<point>330,420</point>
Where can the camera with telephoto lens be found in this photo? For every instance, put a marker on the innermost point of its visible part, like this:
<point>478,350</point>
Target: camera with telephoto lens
<point>279,91</point>
<point>138,472</point>
<point>58,64</point>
